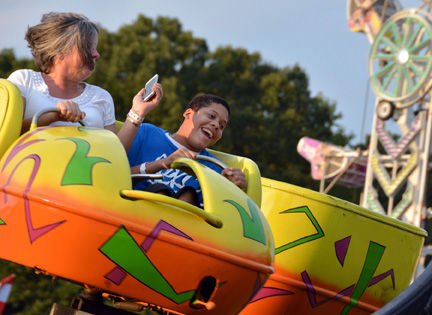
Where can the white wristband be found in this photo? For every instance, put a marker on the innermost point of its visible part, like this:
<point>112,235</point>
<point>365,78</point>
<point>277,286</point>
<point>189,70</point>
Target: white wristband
<point>143,168</point>
<point>135,118</point>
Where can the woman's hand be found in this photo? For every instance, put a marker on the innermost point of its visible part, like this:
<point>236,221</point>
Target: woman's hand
<point>69,111</point>
<point>143,108</point>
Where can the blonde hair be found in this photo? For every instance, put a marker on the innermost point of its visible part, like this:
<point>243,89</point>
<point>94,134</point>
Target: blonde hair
<point>56,36</point>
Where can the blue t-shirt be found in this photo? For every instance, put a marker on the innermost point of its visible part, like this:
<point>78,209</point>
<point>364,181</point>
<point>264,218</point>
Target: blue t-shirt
<point>152,143</point>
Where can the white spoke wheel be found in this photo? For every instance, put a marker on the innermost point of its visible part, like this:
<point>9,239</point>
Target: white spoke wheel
<point>400,60</point>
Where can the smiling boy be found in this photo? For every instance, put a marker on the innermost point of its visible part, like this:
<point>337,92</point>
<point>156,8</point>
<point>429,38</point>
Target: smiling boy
<point>154,149</point>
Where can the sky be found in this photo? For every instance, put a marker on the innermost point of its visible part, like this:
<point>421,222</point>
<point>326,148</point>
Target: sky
<point>311,33</point>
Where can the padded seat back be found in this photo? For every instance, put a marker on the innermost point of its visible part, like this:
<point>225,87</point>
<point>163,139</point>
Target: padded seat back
<point>11,114</point>
<point>249,168</point>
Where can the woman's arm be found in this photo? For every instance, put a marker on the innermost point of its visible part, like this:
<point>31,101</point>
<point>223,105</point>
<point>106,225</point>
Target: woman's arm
<point>69,111</point>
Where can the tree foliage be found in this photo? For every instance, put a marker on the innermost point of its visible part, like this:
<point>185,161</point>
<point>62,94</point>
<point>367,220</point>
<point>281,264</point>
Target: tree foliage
<point>34,294</point>
<point>9,63</point>
<point>272,108</point>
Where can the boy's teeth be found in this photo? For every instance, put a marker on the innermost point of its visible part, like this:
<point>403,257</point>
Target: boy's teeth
<point>207,132</point>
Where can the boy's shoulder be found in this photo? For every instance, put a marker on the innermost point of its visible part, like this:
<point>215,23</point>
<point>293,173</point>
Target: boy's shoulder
<point>147,127</point>
<point>149,131</point>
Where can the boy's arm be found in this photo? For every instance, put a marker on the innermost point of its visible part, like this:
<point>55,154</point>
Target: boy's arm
<point>129,129</point>
<point>162,164</point>
<point>151,167</point>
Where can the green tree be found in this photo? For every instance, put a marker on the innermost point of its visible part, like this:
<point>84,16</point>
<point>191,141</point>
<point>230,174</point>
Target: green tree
<point>9,63</point>
<point>271,107</point>
<point>137,51</point>
<point>34,294</point>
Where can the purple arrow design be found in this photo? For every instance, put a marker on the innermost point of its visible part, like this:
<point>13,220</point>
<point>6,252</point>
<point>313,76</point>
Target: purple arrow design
<point>34,233</point>
<point>118,274</point>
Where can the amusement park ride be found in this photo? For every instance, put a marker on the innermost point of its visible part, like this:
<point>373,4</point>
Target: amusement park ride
<point>273,249</point>
<point>393,171</point>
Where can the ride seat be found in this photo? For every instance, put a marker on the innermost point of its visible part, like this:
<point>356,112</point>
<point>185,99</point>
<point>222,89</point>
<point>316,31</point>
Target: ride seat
<point>11,114</point>
<point>249,168</point>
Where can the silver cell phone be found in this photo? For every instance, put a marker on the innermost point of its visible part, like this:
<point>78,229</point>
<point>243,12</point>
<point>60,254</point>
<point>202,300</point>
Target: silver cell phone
<point>149,93</point>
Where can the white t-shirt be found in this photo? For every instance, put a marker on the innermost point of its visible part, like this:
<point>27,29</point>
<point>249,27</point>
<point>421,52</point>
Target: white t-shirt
<point>96,102</point>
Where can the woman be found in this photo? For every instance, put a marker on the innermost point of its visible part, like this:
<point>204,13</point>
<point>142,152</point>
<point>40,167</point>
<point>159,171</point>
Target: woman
<point>64,48</point>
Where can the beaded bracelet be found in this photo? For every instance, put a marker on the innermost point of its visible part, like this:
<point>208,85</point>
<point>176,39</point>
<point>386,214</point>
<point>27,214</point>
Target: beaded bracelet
<point>135,118</point>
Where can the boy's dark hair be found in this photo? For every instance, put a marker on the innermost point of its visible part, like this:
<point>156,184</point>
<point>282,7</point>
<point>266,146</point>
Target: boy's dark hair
<point>205,100</point>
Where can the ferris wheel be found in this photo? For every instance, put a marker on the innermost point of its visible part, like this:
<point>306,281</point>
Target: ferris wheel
<point>400,60</point>
<point>400,75</point>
